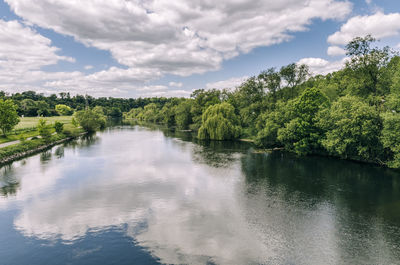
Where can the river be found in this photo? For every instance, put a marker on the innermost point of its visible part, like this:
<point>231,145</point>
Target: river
<point>135,195</point>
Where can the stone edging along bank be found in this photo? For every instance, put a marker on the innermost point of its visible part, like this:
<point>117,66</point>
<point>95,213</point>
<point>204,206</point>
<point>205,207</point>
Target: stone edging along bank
<point>36,150</point>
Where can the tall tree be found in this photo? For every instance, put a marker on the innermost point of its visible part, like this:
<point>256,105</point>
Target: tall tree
<point>366,63</point>
<point>8,115</point>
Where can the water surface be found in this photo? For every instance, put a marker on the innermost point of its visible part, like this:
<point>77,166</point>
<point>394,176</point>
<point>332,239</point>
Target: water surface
<point>133,195</point>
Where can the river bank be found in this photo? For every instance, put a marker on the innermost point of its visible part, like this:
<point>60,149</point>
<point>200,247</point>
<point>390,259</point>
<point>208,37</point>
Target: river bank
<point>18,151</point>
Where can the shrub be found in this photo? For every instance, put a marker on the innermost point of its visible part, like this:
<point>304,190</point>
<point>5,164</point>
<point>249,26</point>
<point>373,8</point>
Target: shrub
<point>59,127</point>
<point>44,130</point>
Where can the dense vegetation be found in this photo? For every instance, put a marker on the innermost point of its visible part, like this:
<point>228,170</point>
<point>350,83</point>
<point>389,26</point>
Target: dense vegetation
<point>353,113</point>
<point>32,104</point>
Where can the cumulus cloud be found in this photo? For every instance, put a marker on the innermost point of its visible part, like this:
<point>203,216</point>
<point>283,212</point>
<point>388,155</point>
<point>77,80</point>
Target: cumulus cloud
<point>175,84</point>
<point>379,25</point>
<point>23,49</point>
<point>231,83</point>
<point>88,67</point>
<point>336,51</point>
<point>319,66</point>
<point>174,37</point>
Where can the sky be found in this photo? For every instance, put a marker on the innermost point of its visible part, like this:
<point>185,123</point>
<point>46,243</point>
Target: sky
<point>154,48</point>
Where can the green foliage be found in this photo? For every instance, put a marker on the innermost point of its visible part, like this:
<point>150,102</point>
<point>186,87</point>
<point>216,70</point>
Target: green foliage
<point>302,134</point>
<point>391,137</point>
<point>64,110</point>
<point>270,122</point>
<point>350,113</point>
<point>59,127</point>
<point>115,112</point>
<point>366,65</point>
<point>353,129</point>
<point>8,115</point>
<point>219,122</point>
<point>90,120</point>
<point>183,116</point>
<point>44,130</point>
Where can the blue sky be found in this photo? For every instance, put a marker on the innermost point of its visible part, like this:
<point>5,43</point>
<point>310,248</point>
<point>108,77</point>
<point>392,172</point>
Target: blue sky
<point>130,49</point>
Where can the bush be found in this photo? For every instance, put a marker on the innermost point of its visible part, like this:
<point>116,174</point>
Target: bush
<point>44,130</point>
<point>59,127</point>
<point>90,120</point>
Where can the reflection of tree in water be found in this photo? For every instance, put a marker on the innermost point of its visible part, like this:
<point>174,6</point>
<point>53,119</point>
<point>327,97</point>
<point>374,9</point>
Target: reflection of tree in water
<point>59,152</point>
<point>9,185</point>
<point>357,187</point>
<point>45,156</point>
<point>84,141</point>
<point>218,153</point>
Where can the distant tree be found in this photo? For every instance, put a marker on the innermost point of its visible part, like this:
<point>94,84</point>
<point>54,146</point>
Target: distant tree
<point>64,110</point>
<point>90,120</point>
<point>8,115</point>
<point>272,81</point>
<point>219,122</point>
<point>183,117</point>
<point>366,63</point>
<point>293,75</point>
<point>28,107</point>
<point>115,112</point>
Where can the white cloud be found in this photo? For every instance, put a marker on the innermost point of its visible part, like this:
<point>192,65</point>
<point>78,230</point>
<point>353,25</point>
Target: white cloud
<point>88,67</point>
<point>175,84</point>
<point>321,66</point>
<point>378,25</point>
<point>231,83</point>
<point>335,51</point>
<point>153,38</point>
<point>23,49</point>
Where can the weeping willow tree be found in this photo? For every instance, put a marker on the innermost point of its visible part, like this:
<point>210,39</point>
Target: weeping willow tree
<point>219,122</point>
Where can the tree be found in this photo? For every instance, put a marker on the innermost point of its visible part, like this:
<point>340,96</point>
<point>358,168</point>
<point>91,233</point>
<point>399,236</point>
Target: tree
<point>391,137</point>
<point>294,74</point>
<point>64,110</point>
<point>90,120</point>
<point>43,108</point>
<point>44,130</point>
<point>202,100</point>
<point>272,82</point>
<point>366,63</point>
<point>115,112</point>
<point>353,129</point>
<point>271,121</point>
<point>219,122</point>
<point>183,117</point>
<point>302,134</point>
<point>8,115</point>
<point>59,127</point>
<point>28,107</point>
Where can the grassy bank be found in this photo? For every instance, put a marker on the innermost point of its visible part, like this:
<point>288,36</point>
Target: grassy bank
<point>26,128</point>
<point>29,147</point>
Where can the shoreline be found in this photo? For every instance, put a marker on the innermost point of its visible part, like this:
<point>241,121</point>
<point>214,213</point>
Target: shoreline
<point>20,155</point>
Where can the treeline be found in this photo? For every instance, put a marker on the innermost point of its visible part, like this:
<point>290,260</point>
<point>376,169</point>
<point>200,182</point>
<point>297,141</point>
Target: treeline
<point>32,104</point>
<point>353,113</point>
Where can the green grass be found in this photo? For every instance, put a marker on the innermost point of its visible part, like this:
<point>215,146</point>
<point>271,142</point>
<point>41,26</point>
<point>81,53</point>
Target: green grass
<point>30,122</point>
<point>27,127</point>
<point>13,137</point>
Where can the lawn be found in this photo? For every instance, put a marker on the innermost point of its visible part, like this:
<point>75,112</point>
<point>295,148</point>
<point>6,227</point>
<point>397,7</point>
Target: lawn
<point>27,127</point>
<point>30,122</point>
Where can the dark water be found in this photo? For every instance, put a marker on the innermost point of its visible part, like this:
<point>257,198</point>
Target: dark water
<point>132,195</point>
